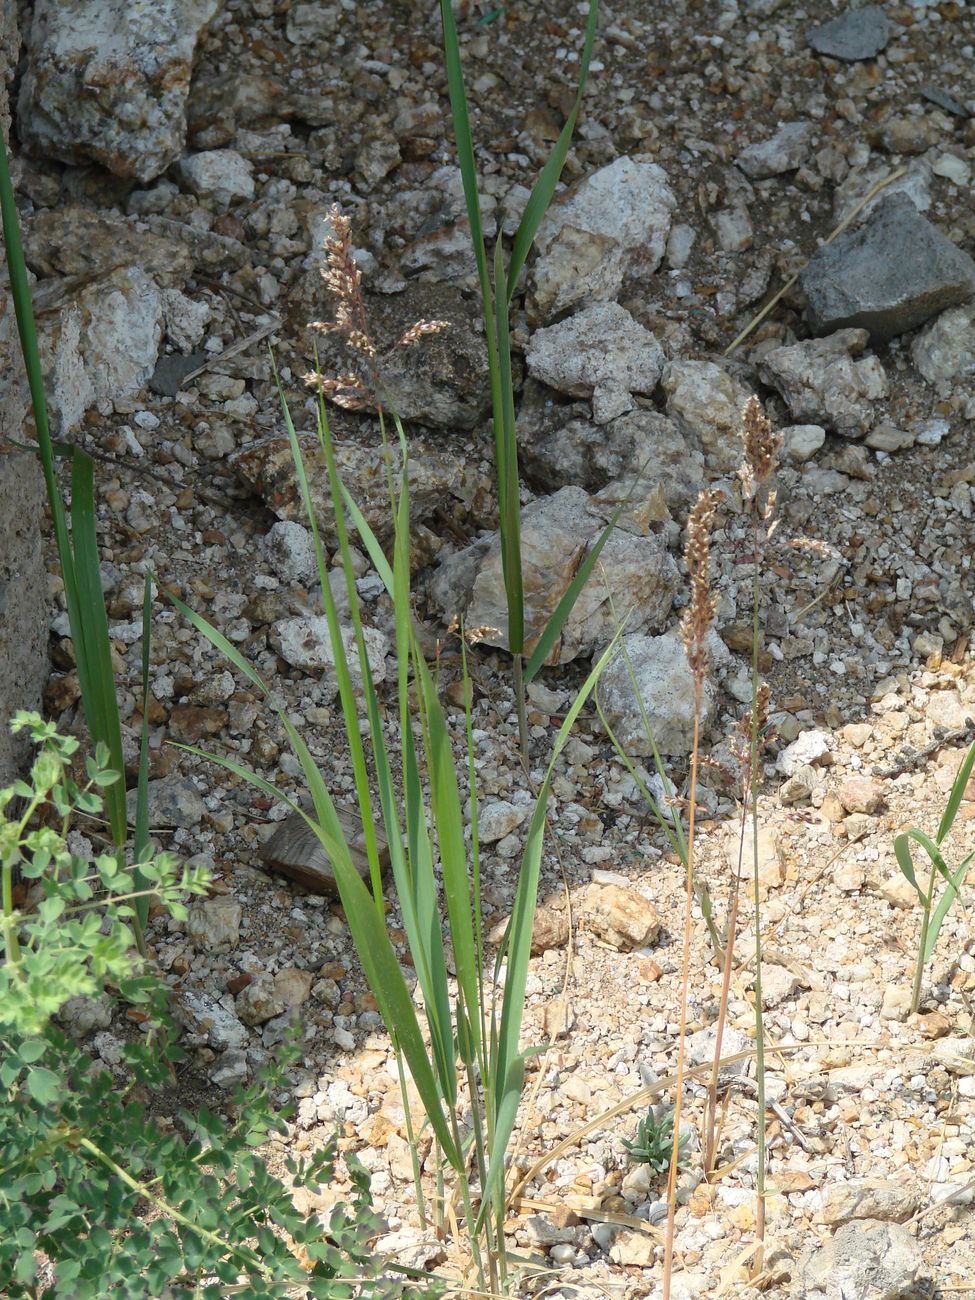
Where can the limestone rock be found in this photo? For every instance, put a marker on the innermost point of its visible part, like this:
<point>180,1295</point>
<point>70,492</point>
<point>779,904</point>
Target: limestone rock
<point>867,1198</point>
<point>783,152</point>
<point>612,225</point>
<point>173,801</point>
<point>600,352</point>
<point>213,924</point>
<point>304,642</point>
<point>828,382</point>
<point>707,403</point>
<point>622,917</point>
<point>666,689</point>
<point>866,1258</point>
<point>102,344</point>
<point>259,1001</point>
<point>945,349</point>
<point>107,81</point>
<point>557,533</point>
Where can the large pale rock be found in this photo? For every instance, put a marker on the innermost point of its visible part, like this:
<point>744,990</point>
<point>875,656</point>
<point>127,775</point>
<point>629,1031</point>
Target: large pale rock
<point>102,343</point>
<point>611,226</point>
<point>854,35</point>
<point>635,453</point>
<point>621,917</point>
<point>24,615</point>
<point>440,471</point>
<point>602,353</point>
<point>218,176</point>
<point>77,241</point>
<point>666,689</point>
<point>9,54</point>
<point>304,642</point>
<point>945,349</point>
<point>869,1198</point>
<point>866,1260</point>
<point>557,533</point>
<point>213,924</point>
<point>707,403</point>
<point>107,81</point>
<point>891,275</point>
<point>828,382</point>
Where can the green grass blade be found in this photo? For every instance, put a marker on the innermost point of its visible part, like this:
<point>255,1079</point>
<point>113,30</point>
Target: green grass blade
<point>523,913</point>
<point>369,540</point>
<point>506,459</point>
<point>957,790</point>
<point>905,860</point>
<point>141,847</point>
<point>544,187</point>
<point>504,1123</point>
<point>952,887</point>
<point>101,706</point>
<point>449,820</point>
<point>553,628</point>
<point>465,145</point>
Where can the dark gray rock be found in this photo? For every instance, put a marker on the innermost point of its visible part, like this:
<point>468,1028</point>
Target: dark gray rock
<point>170,372</point>
<point>857,34</point>
<point>891,275</point>
<point>935,95</point>
<point>9,54</point>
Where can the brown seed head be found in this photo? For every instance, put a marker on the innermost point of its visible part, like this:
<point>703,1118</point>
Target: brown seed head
<point>699,615</point>
<point>762,448</point>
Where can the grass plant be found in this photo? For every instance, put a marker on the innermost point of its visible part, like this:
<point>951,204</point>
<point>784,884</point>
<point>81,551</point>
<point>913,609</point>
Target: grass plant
<point>77,548</point>
<point>498,285</point>
<point>932,914</point>
<point>468,1068</point>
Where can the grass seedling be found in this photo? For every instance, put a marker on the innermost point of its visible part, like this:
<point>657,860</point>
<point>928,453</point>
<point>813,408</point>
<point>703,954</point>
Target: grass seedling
<point>655,1142</point>
<point>496,297</point>
<point>77,548</point>
<point>933,916</point>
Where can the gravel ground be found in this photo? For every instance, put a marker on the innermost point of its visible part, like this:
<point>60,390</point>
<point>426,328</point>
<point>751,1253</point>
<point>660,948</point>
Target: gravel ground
<point>867,603</point>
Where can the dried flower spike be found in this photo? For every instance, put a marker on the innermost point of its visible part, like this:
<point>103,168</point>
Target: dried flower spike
<point>699,615</point>
<point>762,448</point>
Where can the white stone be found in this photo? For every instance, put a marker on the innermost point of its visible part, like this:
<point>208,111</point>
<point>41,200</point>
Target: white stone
<point>613,224</point>
<point>800,442</point>
<point>221,175</point>
<point>304,643</point>
<point>291,550</point>
<point>707,403</point>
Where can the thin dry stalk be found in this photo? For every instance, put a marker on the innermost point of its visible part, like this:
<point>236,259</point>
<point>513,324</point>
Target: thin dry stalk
<point>744,767</point>
<point>695,627</point>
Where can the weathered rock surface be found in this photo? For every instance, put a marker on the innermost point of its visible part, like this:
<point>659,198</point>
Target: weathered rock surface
<point>102,343</point>
<point>76,241</point>
<point>173,801</point>
<point>602,353</point>
<point>612,225</point>
<point>9,54</point>
<point>214,924</point>
<point>707,403</point>
<point>945,349</point>
<point>866,1260</point>
<point>305,643</point>
<point>666,688</point>
<point>24,617</point>
<point>635,453</point>
<point>828,382</point>
<point>891,275</point>
<point>557,533</point>
<point>219,175</point>
<point>783,152</point>
<point>869,1198</point>
<point>107,81</point>
<point>621,917</point>
<point>438,471</point>
<point>854,35</point>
